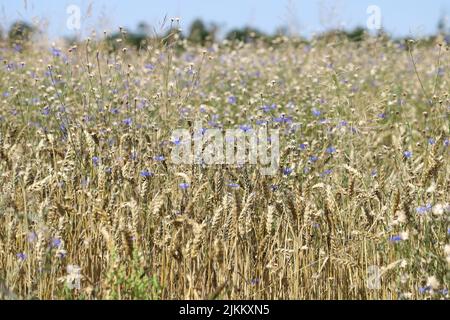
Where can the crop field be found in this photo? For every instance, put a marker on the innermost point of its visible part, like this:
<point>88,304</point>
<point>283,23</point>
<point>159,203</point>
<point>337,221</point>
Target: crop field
<point>92,205</point>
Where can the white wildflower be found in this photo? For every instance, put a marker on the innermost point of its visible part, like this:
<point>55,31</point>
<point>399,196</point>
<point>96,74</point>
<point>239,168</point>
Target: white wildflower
<point>433,282</point>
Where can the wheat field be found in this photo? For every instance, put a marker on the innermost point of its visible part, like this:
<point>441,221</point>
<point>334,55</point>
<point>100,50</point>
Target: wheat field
<point>359,208</point>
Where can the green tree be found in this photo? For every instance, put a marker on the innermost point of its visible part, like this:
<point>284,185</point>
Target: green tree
<point>199,33</point>
<point>20,32</point>
<point>246,34</point>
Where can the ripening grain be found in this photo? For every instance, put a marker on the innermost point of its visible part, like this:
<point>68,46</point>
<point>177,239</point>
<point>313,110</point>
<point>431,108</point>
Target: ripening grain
<point>358,210</point>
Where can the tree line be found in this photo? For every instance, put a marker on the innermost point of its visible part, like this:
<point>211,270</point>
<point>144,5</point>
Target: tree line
<point>202,34</point>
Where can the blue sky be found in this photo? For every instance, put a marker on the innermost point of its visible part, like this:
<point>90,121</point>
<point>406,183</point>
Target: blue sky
<point>400,17</point>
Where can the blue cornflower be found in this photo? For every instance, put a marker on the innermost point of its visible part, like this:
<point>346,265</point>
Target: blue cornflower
<point>382,116</point>
<point>274,187</point>
<point>146,174</point>
<point>128,122</point>
<point>446,142</point>
<point>423,290</point>
<point>6,94</point>
<point>424,209</point>
<point>331,150</point>
<point>261,122</point>
<point>246,128</point>
<point>326,173</point>
<point>87,118</point>
<point>287,171</point>
<point>46,111</point>
<point>283,119</point>
<point>55,243</point>
<point>267,108</point>
<point>32,237</point>
<point>61,254</point>
<point>95,161</point>
<point>233,185</point>
<point>316,112</point>
<point>176,141</point>
<point>303,146</point>
<point>184,186</point>
<point>395,239</point>
<point>313,159</point>
<point>407,154</point>
<point>374,173</point>
<point>431,141</point>
<point>63,128</point>
<point>21,256</point>
<point>254,282</point>
<point>159,158</point>
<point>232,100</point>
<point>149,66</point>
<point>56,52</point>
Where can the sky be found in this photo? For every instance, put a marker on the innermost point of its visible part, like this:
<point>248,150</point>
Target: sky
<point>305,17</point>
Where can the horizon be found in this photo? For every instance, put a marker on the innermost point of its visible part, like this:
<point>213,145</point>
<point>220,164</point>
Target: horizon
<point>300,17</point>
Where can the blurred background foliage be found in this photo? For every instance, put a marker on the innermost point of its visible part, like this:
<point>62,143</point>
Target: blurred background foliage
<point>205,34</point>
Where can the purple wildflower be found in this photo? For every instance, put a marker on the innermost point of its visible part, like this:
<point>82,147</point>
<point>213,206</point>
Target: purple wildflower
<point>232,100</point>
<point>395,239</point>
<point>149,67</point>
<point>326,173</point>
<point>331,150</point>
<point>184,186</point>
<point>424,290</point>
<point>45,111</point>
<point>55,243</point>
<point>56,52</point>
<point>21,256</point>
<point>32,236</point>
<point>424,209</point>
<point>316,112</point>
<point>246,128</point>
<point>407,154</point>
<point>146,174</point>
<point>313,159</point>
<point>128,122</point>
